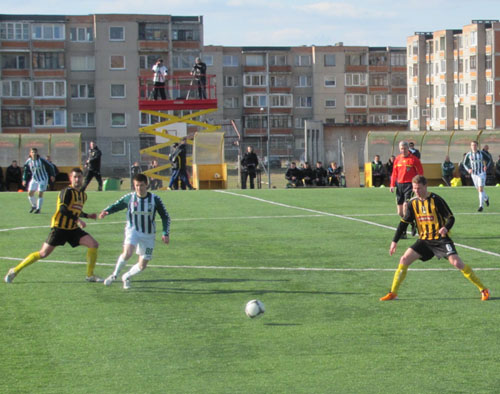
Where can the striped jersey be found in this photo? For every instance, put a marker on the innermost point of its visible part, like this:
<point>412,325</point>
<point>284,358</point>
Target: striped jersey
<point>430,215</point>
<point>69,208</point>
<point>476,161</point>
<point>141,212</point>
<point>39,170</point>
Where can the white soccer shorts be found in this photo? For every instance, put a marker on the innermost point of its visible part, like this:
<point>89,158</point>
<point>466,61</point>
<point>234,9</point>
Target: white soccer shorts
<point>479,180</point>
<point>144,243</point>
<point>37,186</point>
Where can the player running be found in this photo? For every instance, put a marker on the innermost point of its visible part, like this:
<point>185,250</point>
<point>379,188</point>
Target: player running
<point>38,171</point>
<point>66,226</point>
<point>140,229</point>
<point>434,220</point>
<point>476,163</point>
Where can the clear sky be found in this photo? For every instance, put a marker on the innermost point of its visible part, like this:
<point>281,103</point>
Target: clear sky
<point>289,22</point>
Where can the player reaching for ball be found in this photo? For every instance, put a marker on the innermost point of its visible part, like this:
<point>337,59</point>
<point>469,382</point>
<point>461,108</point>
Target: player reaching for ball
<point>140,229</point>
<point>434,220</point>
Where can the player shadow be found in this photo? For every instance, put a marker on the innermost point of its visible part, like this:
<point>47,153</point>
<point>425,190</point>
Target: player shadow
<point>281,324</point>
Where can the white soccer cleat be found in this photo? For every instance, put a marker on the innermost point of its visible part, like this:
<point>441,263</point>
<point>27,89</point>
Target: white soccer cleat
<point>94,279</point>
<point>10,276</point>
<point>126,283</point>
<point>110,279</point>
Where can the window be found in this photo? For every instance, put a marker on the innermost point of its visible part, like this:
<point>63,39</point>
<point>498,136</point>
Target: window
<point>146,62</point>
<point>378,59</point>
<point>16,118</point>
<point>256,122</point>
<point>14,31</point>
<point>50,89</point>
<point>330,120</point>
<point>16,89</point>
<point>47,31</point>
<point>118,120</point>
<point>355,100</point>
<point>277,60</point>
<point>304,81</point>
<point>398,100</point>
<point>443,113</point>
<point>208,60</point>
<point>356,119</point>
<point>81,34</point>
<point>230,81</point>
<point>254,60</point>
<point>117,90</point>
<point>116,33</point>
<point>280,121</point>
<point>378,79</point>
<point>330,103</point>
<point>355,80</point>
<point>281,100</point>
<point>380,100</point>
<point>300,122</point>
<point>16,62</point>
<point>185,35</point>
<point>231,102</point>
<point>398,80</point>
<point>82,63</point>
<point>83,119</point>
<point>82,91</point>
<point>230,61</point>
<point>118,148</point>
<point>255,100</point>
<point>254,80</point>
<point>442,43</point>
<point>153,31</point>
<point>48,60</point>
<point>487,62</point>
<point>356,59</point>
<point>443,89</point>
<point>147,119</point>
<point>473,62</point>
<point>304,101</point>
<point>183,60</point>
<point>279,81</point>
<point>378,119</point>
<point>330,60</point>
<point>473,112</point>
<point>489,86</point>
<point>303,60</point>
<point>398,59</point>
<point>50,117</point>
<point>117,62</point>
<point>330,82</point>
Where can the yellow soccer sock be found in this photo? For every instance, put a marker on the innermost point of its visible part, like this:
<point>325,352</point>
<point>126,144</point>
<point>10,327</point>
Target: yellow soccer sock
<point>399,277</point>
<point>30,259</point>
<point>469,274</point>
<point>91,260</point>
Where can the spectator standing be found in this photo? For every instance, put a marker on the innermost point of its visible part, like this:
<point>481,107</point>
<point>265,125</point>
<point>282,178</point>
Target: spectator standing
<point>181,152</point>
<point>497,170</point>
<point>389,167</point>
<point>56,172</point>
<point>2,185</point>
<point>155,183</point>
<point>464,174</point>
<point>159,78</point>
<point>199,72</point>
<point>249,164</point>
<point>447,169</point>
<point>293,176</point>
<point>93,165</point>
<point>320,175</point>
<point>175,161</point>
<point>377,171</point>
<point>414,151</point>
<point>13,174</point>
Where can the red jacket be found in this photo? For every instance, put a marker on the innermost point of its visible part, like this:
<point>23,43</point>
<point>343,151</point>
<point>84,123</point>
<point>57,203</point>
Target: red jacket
<point>405,168</point>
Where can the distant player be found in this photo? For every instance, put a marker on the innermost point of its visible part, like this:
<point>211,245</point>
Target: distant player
<point>434,221</point>
<point>476,163</point>
<point>66,226</point>
<point>140,229</point>
<point>38,171</point>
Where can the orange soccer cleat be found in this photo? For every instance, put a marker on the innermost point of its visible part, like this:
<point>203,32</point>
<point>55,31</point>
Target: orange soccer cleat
<point>485,295</point>
<point>389,297</point>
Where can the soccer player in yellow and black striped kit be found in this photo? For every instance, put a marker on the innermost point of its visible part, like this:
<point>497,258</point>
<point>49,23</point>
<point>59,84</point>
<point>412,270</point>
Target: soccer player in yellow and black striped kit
<point>66,226</point>
<point>434,220</point>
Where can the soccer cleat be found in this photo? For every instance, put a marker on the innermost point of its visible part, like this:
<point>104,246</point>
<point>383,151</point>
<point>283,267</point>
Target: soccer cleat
<point>109,280</point>
<point>93,279</point>
<point>10,276</point>
<point>389,297</point>
<point>480,209</point>
<point>33,209</point>
<point>126,283</point>
<point>487,202</point>
<point>37,211</point>
<point>485,295</point>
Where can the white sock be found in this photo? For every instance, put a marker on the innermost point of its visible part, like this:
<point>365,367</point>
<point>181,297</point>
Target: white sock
<point>119,265</point>
<point>39,204</point>
<point>133,271</point>
<point>481,198</point>
<point>32,200</point>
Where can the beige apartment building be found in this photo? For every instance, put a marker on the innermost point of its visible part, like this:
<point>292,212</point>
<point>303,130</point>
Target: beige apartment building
<point>454,78</point>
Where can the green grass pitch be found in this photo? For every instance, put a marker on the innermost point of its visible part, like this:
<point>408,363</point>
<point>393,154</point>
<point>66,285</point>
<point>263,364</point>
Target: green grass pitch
<point>317,258</point>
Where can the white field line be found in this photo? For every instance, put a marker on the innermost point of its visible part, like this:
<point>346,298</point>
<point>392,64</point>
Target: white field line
<point>212,267</point>
<point>314,211</point>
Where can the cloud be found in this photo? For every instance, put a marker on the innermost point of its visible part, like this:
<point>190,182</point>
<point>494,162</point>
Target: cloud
<point>344,10</point>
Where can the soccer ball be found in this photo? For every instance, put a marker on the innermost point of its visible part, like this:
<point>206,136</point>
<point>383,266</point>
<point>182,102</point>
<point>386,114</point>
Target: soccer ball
<point>254,308</point>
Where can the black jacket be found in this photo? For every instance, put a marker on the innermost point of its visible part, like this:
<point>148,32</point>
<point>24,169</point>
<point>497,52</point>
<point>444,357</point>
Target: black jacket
<point>249,162</point>
<point>94,159</point>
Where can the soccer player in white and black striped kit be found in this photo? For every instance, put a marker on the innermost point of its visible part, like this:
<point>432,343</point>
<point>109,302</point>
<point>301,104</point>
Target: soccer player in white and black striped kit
<point>476,164</point>
<point>140,229</point>
<point>38,171</point>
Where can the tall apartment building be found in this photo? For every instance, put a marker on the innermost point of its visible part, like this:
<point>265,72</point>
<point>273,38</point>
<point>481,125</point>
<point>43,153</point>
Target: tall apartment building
<point>275,89</point>
<point>454,78</point>
<point>80,74</point>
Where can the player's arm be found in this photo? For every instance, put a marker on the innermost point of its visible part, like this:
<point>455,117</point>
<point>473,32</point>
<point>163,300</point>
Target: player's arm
<point>444,210</point>
<point>119,205</point>
<point>26,172</point>
<point>466,162</point>
<point>408,218</point>
<point>165,219</point>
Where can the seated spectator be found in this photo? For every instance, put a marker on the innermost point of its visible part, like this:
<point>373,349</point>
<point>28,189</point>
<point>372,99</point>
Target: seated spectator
<point>334,172</point>
<point>414,151</point>
<point>307,174</point>
<point>154,183</point>
<point>293,176</point>
<point>497,170</point>
<point>377,171</point>
<point>447,169</point>
<point>1,180</point>
<point>389,167</point>
<point>320,175</point>
<point>464,174</point>
<point>14,175</point>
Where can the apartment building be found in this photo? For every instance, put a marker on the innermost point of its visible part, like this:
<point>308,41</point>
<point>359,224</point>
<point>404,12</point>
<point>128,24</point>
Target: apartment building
<point>80,74</point>
<point>274,90</point>
<point>454,78</point>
